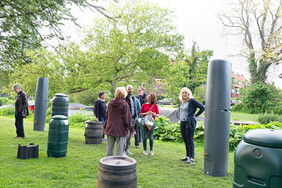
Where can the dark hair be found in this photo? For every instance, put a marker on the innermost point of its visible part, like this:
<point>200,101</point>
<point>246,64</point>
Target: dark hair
<point>101,93</point>
<point>151,98</point>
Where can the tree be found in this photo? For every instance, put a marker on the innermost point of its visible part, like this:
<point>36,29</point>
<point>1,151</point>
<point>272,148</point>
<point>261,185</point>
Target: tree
<point>24,25</point>
<point>190,72</point>
<point>258,23</point>
<point>131,49</point>
<point>45,64</point>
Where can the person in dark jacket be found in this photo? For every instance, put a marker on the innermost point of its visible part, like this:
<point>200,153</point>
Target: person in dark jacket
<point>186,114</point>
<point>100,109</point>
<point>142,99</point>
<point>135,108</point>
<point>21,105</point>
<point>118,122</point>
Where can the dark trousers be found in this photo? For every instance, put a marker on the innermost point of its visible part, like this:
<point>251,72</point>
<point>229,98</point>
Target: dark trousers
<point>127,144</point>
<point>146,131</point>
<point>138,135</point>
<point>19,124</point>
<point>187,133</point>
<point>103,120</point>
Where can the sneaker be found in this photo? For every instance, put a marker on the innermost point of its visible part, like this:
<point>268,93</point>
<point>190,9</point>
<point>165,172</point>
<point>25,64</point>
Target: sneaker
<point>151,153</point>
<point>127,152</point>
<point>145,152</point>
<point>184,159</point>
<point>190,161</point>
<point>104,139</point>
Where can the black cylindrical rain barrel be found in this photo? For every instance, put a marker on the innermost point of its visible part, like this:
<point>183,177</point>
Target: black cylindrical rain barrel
<point>93,132</point>
<point>60,105</point>
<point>217,117</point>
<point>258,159</point>
<point>40,104</point>
<point>58,136</point>
<point>117,172</point>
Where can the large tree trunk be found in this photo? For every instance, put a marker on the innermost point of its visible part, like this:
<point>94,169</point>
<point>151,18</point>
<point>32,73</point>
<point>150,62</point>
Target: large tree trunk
<point>253,68</point>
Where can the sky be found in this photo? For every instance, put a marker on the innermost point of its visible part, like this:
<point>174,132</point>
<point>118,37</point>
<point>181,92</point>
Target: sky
<point>198,21</point>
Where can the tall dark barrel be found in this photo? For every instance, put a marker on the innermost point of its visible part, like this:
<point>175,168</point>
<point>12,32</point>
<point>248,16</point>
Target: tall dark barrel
<point>217,118</point>
<point>41,103</point>
<point>58,136</point>
<point>117,172</point>
<point>93,132</point>
<point>60,105</point>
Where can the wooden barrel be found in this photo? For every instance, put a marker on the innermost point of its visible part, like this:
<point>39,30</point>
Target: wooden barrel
<point>93,132</point>
<point>117,172</point>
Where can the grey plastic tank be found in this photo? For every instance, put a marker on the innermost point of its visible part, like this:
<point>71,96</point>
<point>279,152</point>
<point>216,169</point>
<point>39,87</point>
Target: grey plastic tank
<point>217,117</point>
<point>41,103</point>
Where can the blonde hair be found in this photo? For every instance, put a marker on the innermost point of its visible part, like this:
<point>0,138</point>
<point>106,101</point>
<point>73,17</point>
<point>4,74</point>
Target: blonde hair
<point>120,92</point>
<point>185,89</point>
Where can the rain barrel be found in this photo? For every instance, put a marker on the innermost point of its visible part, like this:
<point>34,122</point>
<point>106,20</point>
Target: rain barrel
<point>93,132</point>
<point>60,105</point>
<point>58,136</point>
<point>258,159</point>
<point>117,172</point>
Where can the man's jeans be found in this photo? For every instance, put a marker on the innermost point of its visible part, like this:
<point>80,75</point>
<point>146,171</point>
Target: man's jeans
<point>127,144</point>
<point>19,124</point>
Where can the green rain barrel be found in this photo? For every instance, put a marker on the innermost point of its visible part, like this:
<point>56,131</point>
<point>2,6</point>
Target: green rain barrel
<point>258,159</point>
<point>58,136</point>
<point>60,105</point>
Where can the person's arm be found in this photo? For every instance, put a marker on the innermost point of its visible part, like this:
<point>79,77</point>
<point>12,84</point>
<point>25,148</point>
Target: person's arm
<point>96,107</point>
<point>127,120</point>
<point>24,101</point>
<point>155,112</point>
<point>200,106</point>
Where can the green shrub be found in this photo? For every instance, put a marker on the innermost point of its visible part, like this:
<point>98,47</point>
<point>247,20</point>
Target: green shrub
<point>48,114</point>
<point>277,109</point>
<point>7,111</point>
<point>78,120</point>
<point>267,118</point>
<point>3,101</point>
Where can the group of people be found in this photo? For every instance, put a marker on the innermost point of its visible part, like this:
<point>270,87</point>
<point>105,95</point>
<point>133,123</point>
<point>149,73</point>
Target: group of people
<point>120,125</point>
<point>119,119</point>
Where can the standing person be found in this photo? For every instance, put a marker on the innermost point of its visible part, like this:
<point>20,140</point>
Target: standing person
<point>21,104</point>
<point>100,109</point>
<point>135,108</point>
<point>142,98</point>
<point>118,122</point>
<point>150,107</point>
<point>186,114</point>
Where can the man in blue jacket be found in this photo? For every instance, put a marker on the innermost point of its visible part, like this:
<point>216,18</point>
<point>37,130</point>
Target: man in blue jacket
<point>135,108</point>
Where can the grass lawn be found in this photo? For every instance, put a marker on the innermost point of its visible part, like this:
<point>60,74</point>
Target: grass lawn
<point>80,167</point>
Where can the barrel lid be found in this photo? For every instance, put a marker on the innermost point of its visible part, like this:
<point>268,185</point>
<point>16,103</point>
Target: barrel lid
<point>117,161</point>
<point>264,137</point>
<point>59,117</point>
<point>60,95</point>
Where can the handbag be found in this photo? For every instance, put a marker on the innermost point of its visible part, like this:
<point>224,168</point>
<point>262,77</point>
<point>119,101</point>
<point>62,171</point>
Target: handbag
<point>24,112</point>
<point>149,121</point>
<point>141,120</point>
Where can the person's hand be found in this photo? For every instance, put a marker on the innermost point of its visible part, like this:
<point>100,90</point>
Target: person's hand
<point>132,134</point>
<point>194,116</point>
<point>149,112</point>
<point>96,119</point>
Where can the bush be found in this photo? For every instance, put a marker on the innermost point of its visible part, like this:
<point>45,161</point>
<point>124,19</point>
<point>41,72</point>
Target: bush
<point>78,120</point>
<point>7,111</point>
<point>267,118</point>
<point>3,101</point>
<point>277,109</point>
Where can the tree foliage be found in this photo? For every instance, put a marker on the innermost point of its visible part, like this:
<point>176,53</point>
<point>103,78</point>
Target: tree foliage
<point>190,72</point>
<point>258,23</point>
<point>259,98</point>
<point>129,50</point>
<point>25,24</point>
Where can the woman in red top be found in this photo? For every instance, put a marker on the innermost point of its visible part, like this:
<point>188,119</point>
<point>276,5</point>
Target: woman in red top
<point>145,110</point>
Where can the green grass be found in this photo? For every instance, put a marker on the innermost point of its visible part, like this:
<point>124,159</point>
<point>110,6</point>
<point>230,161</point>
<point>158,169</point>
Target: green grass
<point>80,167</point>
<point>238,116</point>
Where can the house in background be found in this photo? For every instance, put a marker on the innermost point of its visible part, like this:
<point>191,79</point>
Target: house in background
<point>239,81</point>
